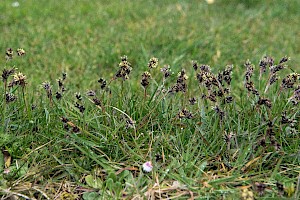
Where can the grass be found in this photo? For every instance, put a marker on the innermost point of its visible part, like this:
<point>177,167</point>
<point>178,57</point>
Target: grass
<point>52,150</point>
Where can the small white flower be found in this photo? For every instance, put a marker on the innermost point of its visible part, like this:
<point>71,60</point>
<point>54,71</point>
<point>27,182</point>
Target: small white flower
<point>15,4</point>
<point>147,166</point>
<point>210,1</point>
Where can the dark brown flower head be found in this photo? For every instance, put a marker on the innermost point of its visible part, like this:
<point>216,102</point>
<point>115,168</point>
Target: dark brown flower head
<point>130,123</point>
<point>193,101</point>
<point>273,78</point>
<point>264,101</point>
<point>251,88</point>
<point>276,68</point>
<point>63,89</point>
<point>166,71</point>
<point>220,112</point>
<point>205,68</point>
<point>9,54</point>
<point>75,129</point>
<point>60,83</point>
<point>64,76</point>
<point>47,87</point>
<point>125,69</point>
<point>19,79</point>
<point>249,70</point>
<point>102,82</point>
<point>145,79</point>
<point>97,102</point>
<point>78,96</point>
<point>64,120</point>
<point>6,73</point>
<point>10,97</point>
<point>80,107</point>
<point>21,52</point>
<point>212,97</point>
<point>228,99</point>
<point>184,113</point>
<point>180,85</point>
<point>284,60</point>
<point>153,63</point>
<point>260,187</point>
<point>290,80</point>
<point>195,65</point>
<point>263,63</point>
<point>295,99</point>
<point>208,79</point>
<point>58,95</point>
<point>124,58</point>
<point>280,187</point>
<point>91,93</point>
<point>227,74</point>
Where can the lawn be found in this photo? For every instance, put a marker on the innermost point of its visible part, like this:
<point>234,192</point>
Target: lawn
<point>208,93</point>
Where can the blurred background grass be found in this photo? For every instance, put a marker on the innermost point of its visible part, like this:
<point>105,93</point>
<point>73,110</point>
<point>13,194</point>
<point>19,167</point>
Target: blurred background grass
<point>87,37</point>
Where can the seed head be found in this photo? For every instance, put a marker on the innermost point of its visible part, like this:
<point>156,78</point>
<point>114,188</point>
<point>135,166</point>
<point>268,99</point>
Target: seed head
<point>166,71</point>
<point>6,73</point>
<point>9,54</point>
<point>153,63</point>
<point>145,79</point>
<point>19,79</point>
<point>10,97</point>
<point>21,52</point>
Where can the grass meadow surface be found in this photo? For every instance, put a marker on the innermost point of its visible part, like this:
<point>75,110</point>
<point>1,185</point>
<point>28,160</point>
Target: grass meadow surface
<point>206,93</point>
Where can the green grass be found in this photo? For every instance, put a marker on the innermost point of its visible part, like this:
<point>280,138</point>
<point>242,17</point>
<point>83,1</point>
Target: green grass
<point>191,157</point>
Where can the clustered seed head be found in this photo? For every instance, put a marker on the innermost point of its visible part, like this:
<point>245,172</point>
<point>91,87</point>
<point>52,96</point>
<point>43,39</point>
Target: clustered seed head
<point>295,99</point>
<point>180,85</point>
<point>249,85</point>
<point>249,70</point>
<point>274,77</point>
<point>286,120</point>
<point>9,54</point>
<point>130,123</point>
<point>264,101</point>
<point>228,99</point>
<point>61,87</point>
<point>220,112</point>
<point>227,74</point>
<point>271,135</point>
<point>260,187</point>
<point>78,96</point>
<point>192,101</point>
<point>125,69</point>
<point>48,88</point>
<point>153,63</point>
<point>97,102</point>
<point>18,79</point>
<point>80,107</point>
<point>103,83</point>
<point>264,62</point>
<point>166,71</point>
<point>6,73</point>
<point>184,113</point>
<point>67,123</point>
<point>146,76</point>
<point>91,93</point>
<point>195,65</point>
<point>10,97</point>
<point>290,80</point>
<point>21,52</point>
<point>284,60</point>
<point>207,77</point>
